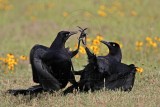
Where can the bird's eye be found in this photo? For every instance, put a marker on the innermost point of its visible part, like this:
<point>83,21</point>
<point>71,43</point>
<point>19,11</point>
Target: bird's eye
<point>114,45</point>
<point>67,35</point>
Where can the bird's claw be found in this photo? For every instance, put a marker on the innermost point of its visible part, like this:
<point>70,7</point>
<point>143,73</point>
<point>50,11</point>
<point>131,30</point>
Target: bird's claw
<point>82,35</point>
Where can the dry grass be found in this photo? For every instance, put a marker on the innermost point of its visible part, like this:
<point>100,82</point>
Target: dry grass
<point>21,28</point>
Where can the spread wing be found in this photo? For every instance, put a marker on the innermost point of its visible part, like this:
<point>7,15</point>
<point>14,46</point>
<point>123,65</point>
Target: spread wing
<point>123,77</point>
<point>34,53</point>
<point>40,70</point>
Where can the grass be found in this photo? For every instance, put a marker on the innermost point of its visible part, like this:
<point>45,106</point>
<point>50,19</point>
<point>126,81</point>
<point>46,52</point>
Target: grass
<point>35,22</point>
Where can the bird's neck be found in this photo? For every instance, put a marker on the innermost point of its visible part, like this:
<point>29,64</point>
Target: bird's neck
<point>57,44</point>
<point>116,57</point>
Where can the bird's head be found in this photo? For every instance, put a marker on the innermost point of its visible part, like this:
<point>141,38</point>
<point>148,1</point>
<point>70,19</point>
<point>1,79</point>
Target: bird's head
<point>61,39</point>
<point>113,47</point>
<point>64,35</point>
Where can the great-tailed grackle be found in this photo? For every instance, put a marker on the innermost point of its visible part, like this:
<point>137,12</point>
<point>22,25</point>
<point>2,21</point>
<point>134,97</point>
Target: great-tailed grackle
<point>51,67</point>
<point>59,60</point>
<point>117,75</point>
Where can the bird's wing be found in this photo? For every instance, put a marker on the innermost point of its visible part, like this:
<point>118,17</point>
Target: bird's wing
<point>46,79</point>
<point>122,78</point>
<point>34,53</point>
<point>40,70</point>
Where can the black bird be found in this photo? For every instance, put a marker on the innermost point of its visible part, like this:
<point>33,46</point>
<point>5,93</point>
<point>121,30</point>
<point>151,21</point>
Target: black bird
<point>114,56</point>
<point>117,75</point>
<point>51,67</point>
<point>59,59</point>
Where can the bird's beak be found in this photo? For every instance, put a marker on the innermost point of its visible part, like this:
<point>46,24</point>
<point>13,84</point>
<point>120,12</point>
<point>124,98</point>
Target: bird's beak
<point>72,33</point>
<point>106,43</point>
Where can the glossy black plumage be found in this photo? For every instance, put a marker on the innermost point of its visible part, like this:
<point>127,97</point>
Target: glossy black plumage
<point>119,75</point>
<point>116,74</point>
<point>51,67</point>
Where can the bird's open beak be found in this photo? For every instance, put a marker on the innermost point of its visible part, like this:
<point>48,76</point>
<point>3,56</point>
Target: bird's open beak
<point>72,33</point>
<point>106,43</point>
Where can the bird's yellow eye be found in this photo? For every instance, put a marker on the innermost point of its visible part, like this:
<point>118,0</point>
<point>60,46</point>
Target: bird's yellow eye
<point>67,35</point>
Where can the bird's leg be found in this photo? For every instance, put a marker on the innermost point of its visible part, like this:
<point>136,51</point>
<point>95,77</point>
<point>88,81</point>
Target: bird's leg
<point>82,35</point>
<point>73,53</point>
<point>72,87</point>
<point>72,80</point>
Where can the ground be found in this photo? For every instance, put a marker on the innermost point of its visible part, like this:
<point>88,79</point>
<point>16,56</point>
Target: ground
<point>134,24</point>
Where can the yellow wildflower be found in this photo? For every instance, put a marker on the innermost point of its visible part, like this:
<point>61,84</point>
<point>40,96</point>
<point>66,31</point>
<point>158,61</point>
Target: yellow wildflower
<point>121,45</point>
<point>140,70</point>
<point>77,56</point>
<point>148,39</point>
<point>139,44</point>
<point>156,38</point>
<point>102,13</point>
<point>8,7</point>
<point>82,50</point>
<point>96,52</point>
<point>65,14</point>
<point>134,13</point>
<point>10,55</point>
<point>22,57</point>
<point>96,42</point>
<point>50,5</point>
<point>154,44</point>
<point>99,37</point>
<point>95,49</point>
<point>88,39</point>
<point>102,7</point>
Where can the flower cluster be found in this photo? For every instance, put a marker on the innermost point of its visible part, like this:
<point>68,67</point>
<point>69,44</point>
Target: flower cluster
<point>10,61</point>
<point>92,44</point>
<point>148,42</point>
<point>5,5</point>
<point>95,44</point>
<point>102,11</point>
<point>116,8</point>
